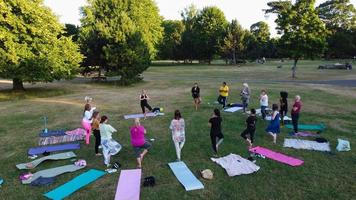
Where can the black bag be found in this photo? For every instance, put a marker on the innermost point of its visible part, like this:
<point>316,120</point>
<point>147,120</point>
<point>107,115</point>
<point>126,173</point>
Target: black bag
<point>321,140</point>
<point>149,181</point>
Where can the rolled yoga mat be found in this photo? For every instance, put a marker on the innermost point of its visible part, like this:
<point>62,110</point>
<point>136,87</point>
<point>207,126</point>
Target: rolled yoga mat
<point>185,176</point>
<point>47,173</point>
<point>277,156</point>
<point>310,127</point>
<point>75,184</point>
<point>33,164</point>
<point>52,133</point>
<point>128,187</point>
<point>62,147</point>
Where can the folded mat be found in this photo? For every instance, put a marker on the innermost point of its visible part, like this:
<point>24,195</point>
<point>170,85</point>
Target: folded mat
<point>53,172</point>
<point>277,156</point>
<point>236,165</point>
<point>75,184</point>
<point>233,109</point>
<point>306,144</point>
<point>61,147</point>
<point>343,145</point>
<point>185,176</point>
<point>52,133</point>
<point>151,114</point>
<point>59,139</point>
<point>304,134</point>
<point>128,187</point>
<point>33,164</point>
<point>310,127</point>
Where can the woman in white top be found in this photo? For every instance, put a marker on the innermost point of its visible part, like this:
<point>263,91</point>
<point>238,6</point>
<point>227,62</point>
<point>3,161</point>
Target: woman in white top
<point>178,133</point>
<point>263,103</point>
<point>87,120</point>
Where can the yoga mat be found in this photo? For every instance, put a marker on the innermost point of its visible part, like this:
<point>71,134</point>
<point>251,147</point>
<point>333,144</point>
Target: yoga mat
<point>310,127</point>
<point>277,156</point>
<point>33,164</point>
<point>59,139</point>
<point>133,116</point>
<point>75,184</point>
<point>185,176</point>
<point>128,187</point>
<point>285,118</point>
<point>62,147</point>
<point>304,134</point>
<point>52,133</point>
<point>306,144</point>
<point>233,109</point>
<point>47,173</point>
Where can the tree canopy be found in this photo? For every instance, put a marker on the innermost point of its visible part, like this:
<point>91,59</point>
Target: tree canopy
<point>233,44</point>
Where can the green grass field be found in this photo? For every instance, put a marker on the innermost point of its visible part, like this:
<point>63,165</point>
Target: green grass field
<point>323,175</point>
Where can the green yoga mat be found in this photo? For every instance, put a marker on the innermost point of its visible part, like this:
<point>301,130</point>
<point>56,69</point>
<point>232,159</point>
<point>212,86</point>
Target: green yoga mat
<point>33,164</point>
<point>75,184</point>
<point>310,127</point>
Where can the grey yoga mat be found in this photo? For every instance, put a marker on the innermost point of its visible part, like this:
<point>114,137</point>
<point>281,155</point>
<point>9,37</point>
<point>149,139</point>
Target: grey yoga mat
<point>47,173</point>
<point>33,164</point>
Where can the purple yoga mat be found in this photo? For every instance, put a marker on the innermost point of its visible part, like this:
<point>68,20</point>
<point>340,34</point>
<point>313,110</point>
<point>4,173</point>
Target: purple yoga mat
<point>62,147</point>
<point>128,187</point>
<point>277,156</point>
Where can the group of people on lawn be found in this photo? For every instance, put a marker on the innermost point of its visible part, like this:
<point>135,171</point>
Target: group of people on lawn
<point>103,131</point>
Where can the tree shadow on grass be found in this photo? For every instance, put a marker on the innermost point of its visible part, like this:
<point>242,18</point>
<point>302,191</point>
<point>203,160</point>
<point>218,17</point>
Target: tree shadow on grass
<point>11,95</point>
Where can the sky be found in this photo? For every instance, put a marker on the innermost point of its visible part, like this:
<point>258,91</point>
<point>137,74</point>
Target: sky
<point>247,12</point>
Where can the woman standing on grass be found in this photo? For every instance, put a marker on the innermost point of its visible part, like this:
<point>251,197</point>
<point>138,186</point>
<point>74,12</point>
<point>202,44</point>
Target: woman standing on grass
<point>144,102</point>
<point>139,142</point>
<point>87,120</point>
<point>96,131</point>
<point>216,135</point>
<point>178,133</point>
<point>297,106</point>
<point>245,96</point>
<point>274,127</point>
<point>196,95</point>
<point>263,103</point>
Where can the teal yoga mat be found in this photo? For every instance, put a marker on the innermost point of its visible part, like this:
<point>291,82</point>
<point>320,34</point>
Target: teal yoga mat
<point>310,127</point>
<point>185,176</point>
<point>75,184</point>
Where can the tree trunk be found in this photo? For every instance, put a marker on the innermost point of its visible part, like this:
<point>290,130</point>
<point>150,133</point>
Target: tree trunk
<point>17,84</point>
<point>234,57</point>
<point>294,68</point>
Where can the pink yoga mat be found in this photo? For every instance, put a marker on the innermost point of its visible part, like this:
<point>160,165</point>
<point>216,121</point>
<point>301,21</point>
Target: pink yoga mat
<point>129,185</point>
<point>277,156</point>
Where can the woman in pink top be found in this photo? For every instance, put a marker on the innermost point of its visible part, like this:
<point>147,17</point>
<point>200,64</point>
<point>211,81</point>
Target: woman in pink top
<point>178,133</point>
<point>138,141</point>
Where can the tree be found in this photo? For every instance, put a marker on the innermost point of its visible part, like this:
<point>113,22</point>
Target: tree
<point>303,33</point>
<point>120,36</point>
<point>260,31</point>
<point>233,43</point>
<point>170,47</point>
<point>71,30</point>
<point>210,26</point>
<point>32,47</point>
<point>189,36</point>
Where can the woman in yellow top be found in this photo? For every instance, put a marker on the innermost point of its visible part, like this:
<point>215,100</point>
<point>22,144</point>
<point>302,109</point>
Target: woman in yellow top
<point>223,94</point>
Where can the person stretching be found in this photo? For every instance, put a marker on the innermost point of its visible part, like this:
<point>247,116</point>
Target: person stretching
<point>216,135</point>
<point>283,102</point>
<point>250,128</point>
<point>297,106</point>
<point>263,103</point>
<point>196,95</point>
<point>178,133</point>
<point>245,96</point>
<point>274,127</point>
<point>144,102</point>
<point>139,142</point>
<point>223,94</point>
<point>87,120</point>
<point>96,131</point>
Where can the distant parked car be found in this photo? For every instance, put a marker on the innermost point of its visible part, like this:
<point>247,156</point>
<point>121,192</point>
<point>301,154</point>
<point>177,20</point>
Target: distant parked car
<point>347,66</point>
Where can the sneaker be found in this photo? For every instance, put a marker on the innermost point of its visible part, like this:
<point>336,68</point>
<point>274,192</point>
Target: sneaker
<point>100,147</point>
<point>110,171</point>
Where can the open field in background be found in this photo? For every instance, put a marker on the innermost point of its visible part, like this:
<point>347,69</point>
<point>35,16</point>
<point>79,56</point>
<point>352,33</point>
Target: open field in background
<point>323,176</point>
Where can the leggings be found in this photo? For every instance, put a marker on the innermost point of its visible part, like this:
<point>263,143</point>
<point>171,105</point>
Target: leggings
<point>263,111</point>
<point>145,105</point>
<point>97,140</point>
<point>216,139</point>
<point>222,100</point>
<point>295,118</point>
<point>283,113</point>
<point>179,147</point>
<point>248,131</point>
<point>87,127</point>
<point>244,104</point>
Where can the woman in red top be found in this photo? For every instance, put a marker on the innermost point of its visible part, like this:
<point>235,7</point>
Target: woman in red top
<point>297,106</point>
<point>138,141</point>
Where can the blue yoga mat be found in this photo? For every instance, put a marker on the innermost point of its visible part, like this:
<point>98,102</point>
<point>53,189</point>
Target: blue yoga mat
<point>62,147</point>
<point>74,184</point>
<point>52,133</point>
<point>185,176</point>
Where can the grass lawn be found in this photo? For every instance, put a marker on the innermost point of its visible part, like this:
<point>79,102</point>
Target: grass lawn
<point>323,175</point>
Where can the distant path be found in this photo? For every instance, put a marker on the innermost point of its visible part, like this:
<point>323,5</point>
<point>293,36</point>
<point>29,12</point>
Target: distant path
<point>343,83</point>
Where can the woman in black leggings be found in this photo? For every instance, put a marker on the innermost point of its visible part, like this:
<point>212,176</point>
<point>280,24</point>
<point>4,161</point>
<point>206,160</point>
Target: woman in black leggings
<point>144,104</point>
<point>216,135</point>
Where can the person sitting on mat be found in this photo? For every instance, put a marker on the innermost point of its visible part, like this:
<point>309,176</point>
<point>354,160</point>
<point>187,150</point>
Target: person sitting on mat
<point>96,132</point>
<point>178,133</point>
<point>250,128</point>
<point>216,135</point>
<point>274,127</point>
<point>283,102</point>
<point>297,106</point>
<point>245,96</point>
<point>263,103</point>
<point>196,95</point>
<point>144,102</point>
<point>139,142</point>
<point>109,145</point>
<point>223,94</point>
<point>87,120</point>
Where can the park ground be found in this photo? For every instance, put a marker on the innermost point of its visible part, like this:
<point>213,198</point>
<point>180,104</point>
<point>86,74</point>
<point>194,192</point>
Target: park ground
<point>323,175</point>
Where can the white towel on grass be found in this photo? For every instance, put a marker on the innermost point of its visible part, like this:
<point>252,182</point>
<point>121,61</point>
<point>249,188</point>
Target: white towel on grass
<point>306,144</point>
<point>236,165</point>
<point>233,109</point>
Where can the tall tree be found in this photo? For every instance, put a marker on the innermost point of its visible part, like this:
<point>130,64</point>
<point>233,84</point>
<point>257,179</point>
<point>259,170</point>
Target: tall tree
<point>233,43</point>
<point>120,36</point>
<point>303,33</point>
<point>189,36</point>
<point>170,47</point>
<point>260,31</point>
<point>210,26</point>
<point>71,30</point>
<point>32,47</point>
